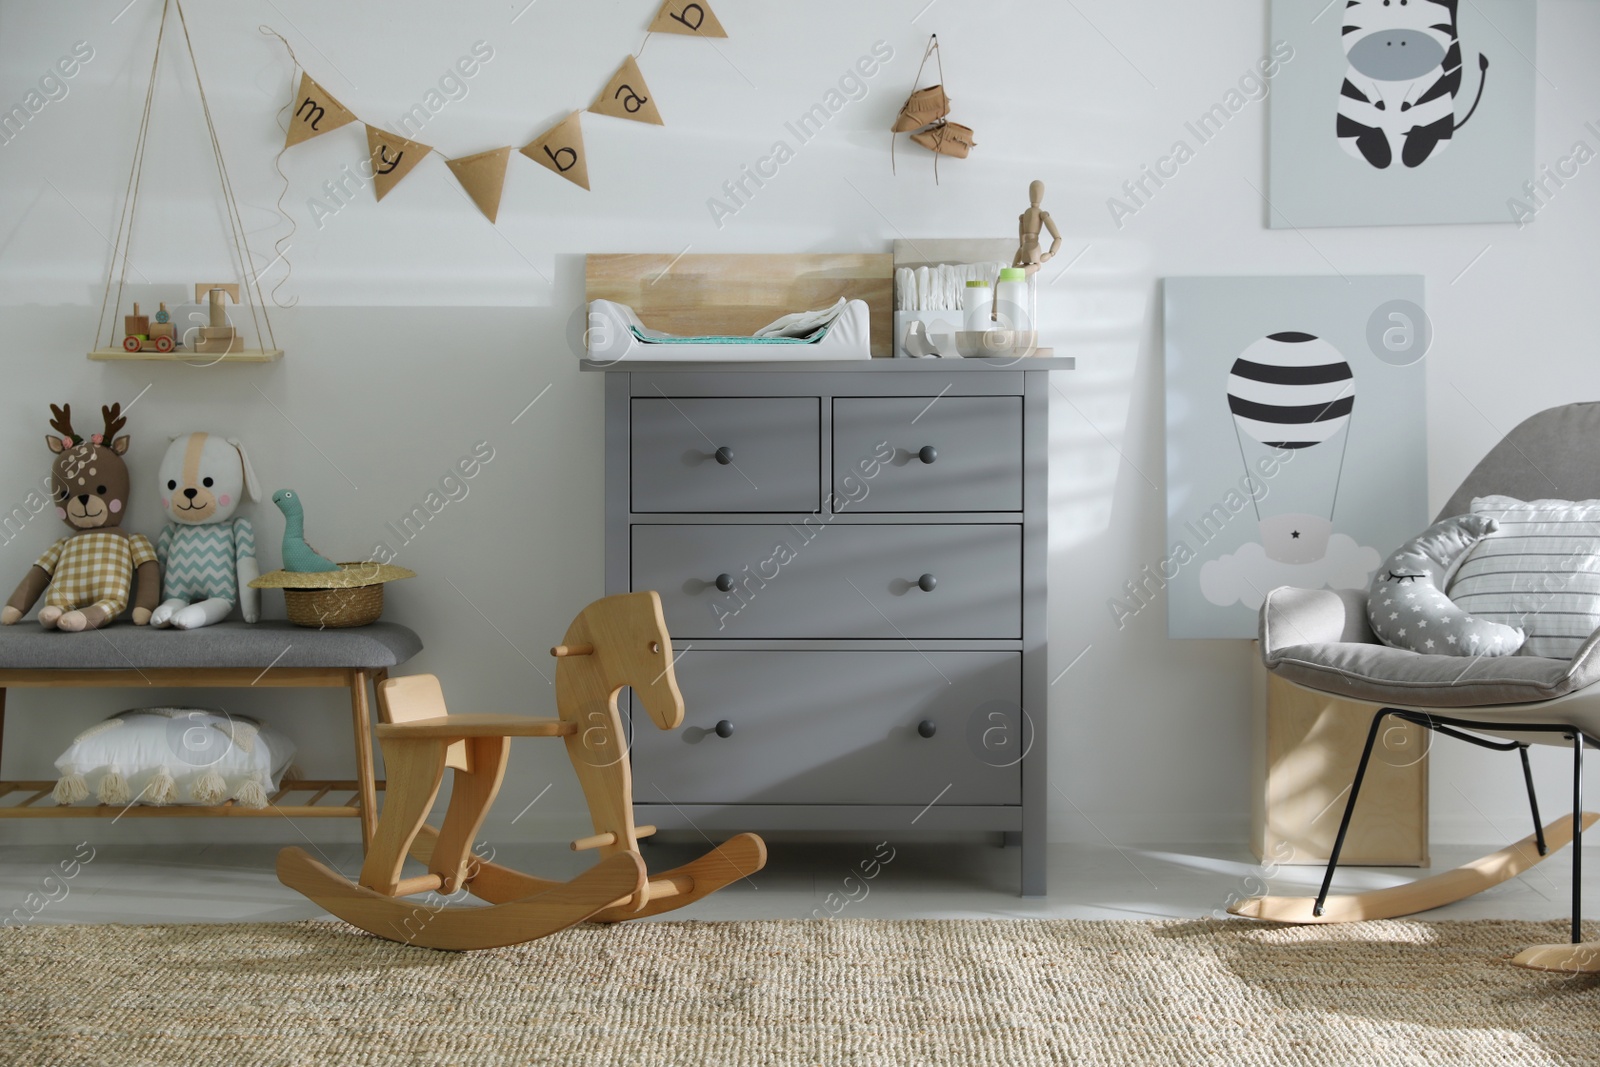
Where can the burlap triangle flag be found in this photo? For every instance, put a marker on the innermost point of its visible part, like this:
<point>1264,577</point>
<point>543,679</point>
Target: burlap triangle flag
<point>561,149</point>
<point>695,19</point>
<point>393,157</point>
<point>483,176</point>
<point>626,96</point>
<point>315,112</point>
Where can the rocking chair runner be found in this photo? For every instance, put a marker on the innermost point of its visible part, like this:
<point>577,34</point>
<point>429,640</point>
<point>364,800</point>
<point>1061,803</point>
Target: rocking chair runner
<point>620,641</point>
<point>1320,640</point>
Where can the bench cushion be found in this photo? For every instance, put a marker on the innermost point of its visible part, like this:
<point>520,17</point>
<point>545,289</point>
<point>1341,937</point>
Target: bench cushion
<point>122,646</point>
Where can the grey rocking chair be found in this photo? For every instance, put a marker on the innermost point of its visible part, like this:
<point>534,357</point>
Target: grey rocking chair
<point>1320,640</point>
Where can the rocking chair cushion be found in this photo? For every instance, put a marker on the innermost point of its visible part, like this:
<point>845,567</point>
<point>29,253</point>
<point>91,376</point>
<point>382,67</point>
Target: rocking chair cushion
<point>1320,639</point>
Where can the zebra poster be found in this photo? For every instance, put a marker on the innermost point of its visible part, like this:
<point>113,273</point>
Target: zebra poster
<point>1296,441</point>
<point>1397,112</point>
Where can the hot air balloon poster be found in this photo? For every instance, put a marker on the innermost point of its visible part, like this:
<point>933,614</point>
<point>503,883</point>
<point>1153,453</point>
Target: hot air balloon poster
<point>1296,442</point>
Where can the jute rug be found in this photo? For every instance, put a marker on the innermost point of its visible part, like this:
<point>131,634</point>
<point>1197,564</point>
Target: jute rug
<point>965,994</point>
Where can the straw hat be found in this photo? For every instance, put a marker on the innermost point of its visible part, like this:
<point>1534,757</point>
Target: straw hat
<point>348,576</point>
<point>349,596</point>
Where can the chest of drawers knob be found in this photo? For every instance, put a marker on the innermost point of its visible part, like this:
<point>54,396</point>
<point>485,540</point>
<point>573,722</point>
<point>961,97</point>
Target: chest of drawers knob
<point>927,453</point>
<point>724,583</point>
<point>927,583</point>
<point>927,728</point>
<point>724,455</point>
<point>724,728</point>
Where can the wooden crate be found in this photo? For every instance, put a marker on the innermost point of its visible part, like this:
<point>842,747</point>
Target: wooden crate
<point>1307,746</point>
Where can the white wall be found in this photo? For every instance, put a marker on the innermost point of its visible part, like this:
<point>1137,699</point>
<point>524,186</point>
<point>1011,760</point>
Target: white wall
<point>421,329</point>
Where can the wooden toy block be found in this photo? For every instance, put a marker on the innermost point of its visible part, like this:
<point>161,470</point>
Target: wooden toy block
<point>215,290</point>
<point>159,330</point>
<point>136,325</point>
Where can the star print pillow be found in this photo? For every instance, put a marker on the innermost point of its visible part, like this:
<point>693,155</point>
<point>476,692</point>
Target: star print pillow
<point>1407,606</point>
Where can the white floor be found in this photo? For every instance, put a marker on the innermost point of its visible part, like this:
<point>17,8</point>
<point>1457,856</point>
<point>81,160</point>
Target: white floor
<point>236,883</point>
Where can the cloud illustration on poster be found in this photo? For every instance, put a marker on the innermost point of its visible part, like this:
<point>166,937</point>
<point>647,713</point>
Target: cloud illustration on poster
<point>1246,576</point>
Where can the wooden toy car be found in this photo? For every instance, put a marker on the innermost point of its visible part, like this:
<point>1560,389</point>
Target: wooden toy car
<point>140,334</point>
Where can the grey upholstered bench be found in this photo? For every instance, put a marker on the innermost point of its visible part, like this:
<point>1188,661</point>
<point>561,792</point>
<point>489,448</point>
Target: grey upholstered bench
<point>232,655</point>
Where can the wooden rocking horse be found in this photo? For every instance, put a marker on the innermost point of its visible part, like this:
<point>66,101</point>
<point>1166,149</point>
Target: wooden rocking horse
<point>620,641</point>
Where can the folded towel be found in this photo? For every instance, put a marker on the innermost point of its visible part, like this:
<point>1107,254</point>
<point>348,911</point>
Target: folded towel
<point>802,323</point>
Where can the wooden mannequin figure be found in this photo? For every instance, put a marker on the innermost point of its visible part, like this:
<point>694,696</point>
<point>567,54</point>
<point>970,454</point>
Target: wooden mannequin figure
<point>1032,221</point>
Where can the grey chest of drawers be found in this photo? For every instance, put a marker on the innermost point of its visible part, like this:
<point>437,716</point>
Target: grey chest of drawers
<point>851,559</point>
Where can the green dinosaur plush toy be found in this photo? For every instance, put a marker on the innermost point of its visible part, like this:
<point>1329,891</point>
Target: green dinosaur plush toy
<point>298,556</point>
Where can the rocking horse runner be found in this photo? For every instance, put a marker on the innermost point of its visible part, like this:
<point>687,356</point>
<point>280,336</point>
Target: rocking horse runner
<point>620,641</point>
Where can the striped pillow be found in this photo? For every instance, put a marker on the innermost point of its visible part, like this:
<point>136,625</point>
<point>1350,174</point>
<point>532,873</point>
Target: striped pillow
<point>1540,571</point>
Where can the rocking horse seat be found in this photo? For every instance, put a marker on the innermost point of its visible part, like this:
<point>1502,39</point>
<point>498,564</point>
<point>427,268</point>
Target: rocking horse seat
<point>461,727</point>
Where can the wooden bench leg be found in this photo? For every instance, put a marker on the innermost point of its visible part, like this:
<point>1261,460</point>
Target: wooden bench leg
<point>361,720</point>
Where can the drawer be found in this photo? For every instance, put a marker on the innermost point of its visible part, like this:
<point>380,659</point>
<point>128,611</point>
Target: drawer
<point>975,463</point>
<point>836,728</point>
<point>815,579</point>
<point>772,459</point>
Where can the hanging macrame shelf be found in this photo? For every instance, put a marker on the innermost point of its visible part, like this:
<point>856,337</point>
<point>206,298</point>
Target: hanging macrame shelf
<point>183,355</point>
<point>155,339</point>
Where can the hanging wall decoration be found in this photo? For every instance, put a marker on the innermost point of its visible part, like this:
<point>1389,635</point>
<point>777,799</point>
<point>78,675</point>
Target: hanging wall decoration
<point>694,19</point>
<point>1296,442</point>
<point>483,176</point>
<point>314,111</point>
<point>161,337</point>
<point>561,149</point>
<point>925,117</point>
<point>1400,113</point>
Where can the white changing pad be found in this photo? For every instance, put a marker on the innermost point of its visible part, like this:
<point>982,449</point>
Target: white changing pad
<point>616,334</point>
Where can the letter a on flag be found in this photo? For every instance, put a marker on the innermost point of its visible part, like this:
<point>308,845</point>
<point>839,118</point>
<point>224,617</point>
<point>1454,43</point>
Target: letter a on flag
<point>626,96</point>
<point>392,158</point>
<point>315,112</point>
<point>694,19</point>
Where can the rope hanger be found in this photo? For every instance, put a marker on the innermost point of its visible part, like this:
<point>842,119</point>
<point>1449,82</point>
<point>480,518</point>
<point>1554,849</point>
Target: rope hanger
<point>250,290</point>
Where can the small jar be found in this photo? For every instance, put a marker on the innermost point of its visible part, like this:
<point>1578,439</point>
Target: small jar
<point>1011,300</point>
<point>977,307</point>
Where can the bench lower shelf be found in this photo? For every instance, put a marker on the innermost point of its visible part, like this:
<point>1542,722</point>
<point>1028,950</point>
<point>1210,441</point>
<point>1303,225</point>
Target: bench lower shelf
<point>312,807</point>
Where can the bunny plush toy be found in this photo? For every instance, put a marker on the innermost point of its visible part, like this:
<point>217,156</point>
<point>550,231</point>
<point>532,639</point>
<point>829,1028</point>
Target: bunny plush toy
<point>208,557</point>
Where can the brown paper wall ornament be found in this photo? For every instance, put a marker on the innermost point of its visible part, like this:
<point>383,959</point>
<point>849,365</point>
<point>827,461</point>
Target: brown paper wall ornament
<point>483,176</point>
<point>626,96</point>
<point>695,19</point>
<point>315,113</point>
<point>393,157</point>
<point>561,149</point>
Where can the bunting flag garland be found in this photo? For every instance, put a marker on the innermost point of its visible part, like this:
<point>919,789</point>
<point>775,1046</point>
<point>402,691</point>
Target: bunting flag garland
<point>694,19</point>
<point>561,149</point>
<point>626,96</point>
<point>483,176</point>
<point>315,113</point>
<point>393,157</point>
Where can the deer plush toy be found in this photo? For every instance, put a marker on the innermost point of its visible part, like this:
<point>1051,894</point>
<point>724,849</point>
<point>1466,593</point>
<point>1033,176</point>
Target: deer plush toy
<point>208,557</point>
<point>87,577</point>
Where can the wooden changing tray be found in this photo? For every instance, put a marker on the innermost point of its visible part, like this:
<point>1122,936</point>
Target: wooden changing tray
<point>739,294</point>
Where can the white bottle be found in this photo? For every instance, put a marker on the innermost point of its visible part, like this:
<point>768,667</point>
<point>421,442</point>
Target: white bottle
<point>977,306</point>
<point>1011,300</point>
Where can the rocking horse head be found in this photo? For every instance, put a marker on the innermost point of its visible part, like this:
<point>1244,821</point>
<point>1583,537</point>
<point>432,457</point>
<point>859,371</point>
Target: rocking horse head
<point>89,479</point>
<point>622,641</point>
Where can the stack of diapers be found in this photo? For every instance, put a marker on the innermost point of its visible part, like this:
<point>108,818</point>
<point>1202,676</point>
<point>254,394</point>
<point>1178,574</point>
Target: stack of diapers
<point>165,755</point>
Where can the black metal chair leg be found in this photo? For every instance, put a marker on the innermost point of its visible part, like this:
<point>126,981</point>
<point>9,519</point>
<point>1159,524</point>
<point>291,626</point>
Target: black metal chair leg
<point>1577,837</point>
<point>1533,799</point>
<point>1349,809</point>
